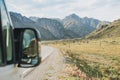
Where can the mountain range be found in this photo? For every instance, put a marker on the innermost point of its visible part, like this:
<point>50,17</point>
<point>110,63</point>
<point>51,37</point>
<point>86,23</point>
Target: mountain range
<point>72,26</point>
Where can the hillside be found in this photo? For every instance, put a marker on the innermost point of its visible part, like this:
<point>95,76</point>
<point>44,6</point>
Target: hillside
<point>107,31</point>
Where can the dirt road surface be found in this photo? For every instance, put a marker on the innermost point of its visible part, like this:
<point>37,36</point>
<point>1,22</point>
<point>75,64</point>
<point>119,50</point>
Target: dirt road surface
<point>51,68</point>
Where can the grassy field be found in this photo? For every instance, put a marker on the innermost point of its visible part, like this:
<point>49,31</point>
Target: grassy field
<point>91,59</point>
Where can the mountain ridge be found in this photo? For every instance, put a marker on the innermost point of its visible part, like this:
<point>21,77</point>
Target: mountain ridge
<point>72,26</point>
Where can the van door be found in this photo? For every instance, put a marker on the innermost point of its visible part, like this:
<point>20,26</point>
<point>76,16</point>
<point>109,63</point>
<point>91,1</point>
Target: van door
<point>9,72</point>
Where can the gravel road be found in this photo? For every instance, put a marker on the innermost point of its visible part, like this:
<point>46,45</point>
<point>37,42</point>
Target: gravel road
<point>51,68</point>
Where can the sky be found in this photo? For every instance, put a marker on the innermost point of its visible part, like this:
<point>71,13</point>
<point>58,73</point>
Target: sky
<point>105,10</point>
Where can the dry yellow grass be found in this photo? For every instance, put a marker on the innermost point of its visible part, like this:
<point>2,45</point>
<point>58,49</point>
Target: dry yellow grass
<point>108,46</point>
<point>102,53</point>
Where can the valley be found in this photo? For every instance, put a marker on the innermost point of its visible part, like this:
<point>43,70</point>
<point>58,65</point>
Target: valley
<point>91,47</point>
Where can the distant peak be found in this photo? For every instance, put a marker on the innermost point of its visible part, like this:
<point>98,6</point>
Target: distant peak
<point>74,15</point>
<point>14,13</point>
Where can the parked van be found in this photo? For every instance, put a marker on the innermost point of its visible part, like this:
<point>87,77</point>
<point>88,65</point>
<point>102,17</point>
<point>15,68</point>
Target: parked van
<point>18,47</point>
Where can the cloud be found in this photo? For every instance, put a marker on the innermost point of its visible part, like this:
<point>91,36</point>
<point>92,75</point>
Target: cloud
<point>101,9</point>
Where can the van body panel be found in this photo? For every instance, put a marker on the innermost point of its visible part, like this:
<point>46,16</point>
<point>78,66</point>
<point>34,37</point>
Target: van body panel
<point>10,72</point>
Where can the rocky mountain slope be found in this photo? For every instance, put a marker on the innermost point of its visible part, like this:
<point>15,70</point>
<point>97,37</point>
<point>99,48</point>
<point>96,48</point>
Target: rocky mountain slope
<point>55,27</point>
<point>80,26</point>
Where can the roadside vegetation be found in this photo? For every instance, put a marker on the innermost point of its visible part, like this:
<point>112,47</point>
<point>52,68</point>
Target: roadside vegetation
<point>95,59</point>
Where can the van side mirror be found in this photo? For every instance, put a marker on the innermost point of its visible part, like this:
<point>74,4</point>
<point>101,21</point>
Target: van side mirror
<point>28,48</point>
<point>30,54</point>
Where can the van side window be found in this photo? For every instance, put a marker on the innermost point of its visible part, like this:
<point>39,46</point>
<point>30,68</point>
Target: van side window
<point>6,29</point>
<point>0,54</point>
